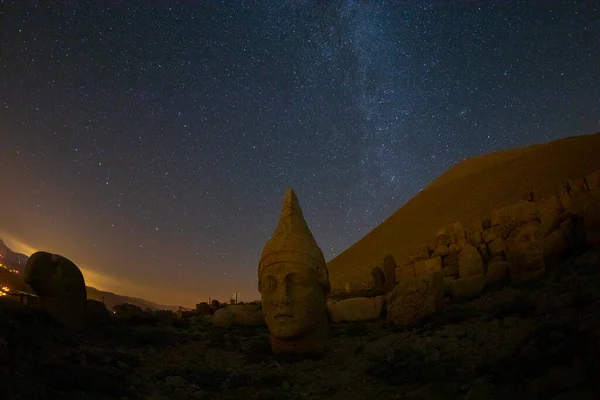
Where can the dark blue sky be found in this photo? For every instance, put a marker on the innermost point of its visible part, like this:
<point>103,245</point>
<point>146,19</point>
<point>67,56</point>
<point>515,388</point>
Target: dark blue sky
<point>151,142</point>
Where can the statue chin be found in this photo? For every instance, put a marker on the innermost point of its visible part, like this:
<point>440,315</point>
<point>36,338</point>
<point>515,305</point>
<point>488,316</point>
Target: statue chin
<point>293,328</point>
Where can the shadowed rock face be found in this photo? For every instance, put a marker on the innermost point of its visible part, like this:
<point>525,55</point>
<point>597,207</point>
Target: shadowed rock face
<point>60,287</point>
<point>293,282</point>
<point>51,275</point>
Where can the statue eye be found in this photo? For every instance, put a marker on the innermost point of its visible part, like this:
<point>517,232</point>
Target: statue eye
<point>297,279</point>
<point>268,285</point>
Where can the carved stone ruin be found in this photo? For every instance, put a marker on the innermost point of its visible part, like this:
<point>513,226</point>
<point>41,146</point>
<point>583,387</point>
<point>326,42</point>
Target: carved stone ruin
<point>60,287</point>
<point>293,282</point>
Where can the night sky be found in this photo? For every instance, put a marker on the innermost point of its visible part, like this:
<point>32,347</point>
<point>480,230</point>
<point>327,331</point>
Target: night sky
<point>151,142</point>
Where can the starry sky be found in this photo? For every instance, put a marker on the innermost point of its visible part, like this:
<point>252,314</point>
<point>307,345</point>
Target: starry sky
<point>151,142</point>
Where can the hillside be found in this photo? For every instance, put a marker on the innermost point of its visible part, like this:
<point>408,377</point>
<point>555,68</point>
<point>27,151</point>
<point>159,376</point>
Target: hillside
<point>11,261</point>
<point>472,188</point>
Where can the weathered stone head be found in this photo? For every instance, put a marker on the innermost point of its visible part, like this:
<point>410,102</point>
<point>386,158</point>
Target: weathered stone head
<point>51,275</point>
<point>60,287</point>
<point>293,282</point>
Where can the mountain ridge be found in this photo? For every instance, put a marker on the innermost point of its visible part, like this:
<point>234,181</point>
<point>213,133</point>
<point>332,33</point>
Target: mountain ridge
<point>13,261</point>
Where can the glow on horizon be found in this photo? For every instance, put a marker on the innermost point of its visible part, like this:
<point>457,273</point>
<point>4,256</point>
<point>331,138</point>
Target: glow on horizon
<point>96,279</point>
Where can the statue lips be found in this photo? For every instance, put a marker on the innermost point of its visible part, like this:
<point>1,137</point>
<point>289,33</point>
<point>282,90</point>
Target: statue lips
<point>283,316</point>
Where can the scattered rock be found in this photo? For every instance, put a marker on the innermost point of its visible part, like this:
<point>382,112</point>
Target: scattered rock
<point>356,309</point>
<point>415,298</point>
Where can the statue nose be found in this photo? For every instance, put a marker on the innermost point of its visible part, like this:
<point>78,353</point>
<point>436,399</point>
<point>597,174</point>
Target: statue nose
<point>281,297</point>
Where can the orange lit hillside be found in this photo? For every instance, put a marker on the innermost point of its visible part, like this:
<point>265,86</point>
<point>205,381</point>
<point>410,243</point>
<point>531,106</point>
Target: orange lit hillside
<point>472,188</point>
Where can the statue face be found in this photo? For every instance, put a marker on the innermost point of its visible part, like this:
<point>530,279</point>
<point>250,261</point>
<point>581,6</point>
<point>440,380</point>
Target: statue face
<point>293,300</point>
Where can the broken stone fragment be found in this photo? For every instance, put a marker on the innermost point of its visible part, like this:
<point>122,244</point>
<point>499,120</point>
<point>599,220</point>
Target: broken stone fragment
<point>356,309</point>
<point>424,267</point>
<point>60,286</point>
<point>469,262</point>
<point>415,298</point>
<point>469,287</point>
<point>404,272</point>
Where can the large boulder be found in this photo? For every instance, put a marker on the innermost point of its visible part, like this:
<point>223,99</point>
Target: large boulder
<point>238,315</point>
<point>356,309</point>
<point>52,275</point>
<point>60,286</point>
<point>470,262</point>
<point>415,298</point>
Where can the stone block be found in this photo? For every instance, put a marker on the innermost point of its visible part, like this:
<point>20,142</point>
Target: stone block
<point>424,267</point>
<point>415,253</point>
<point>509,217</point>
<point>470,262</point>
<point>404,272</point>
<point>459,231</point>
<point>356,309</point>
<point>457,247</point>
<point>415,298</point>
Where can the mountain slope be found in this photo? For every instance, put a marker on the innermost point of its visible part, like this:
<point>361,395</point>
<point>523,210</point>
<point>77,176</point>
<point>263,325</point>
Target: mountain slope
<point>10,260</point>
<point>472,188</point>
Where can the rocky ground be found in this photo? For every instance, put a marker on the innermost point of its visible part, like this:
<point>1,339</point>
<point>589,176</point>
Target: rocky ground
<point>528,342</point>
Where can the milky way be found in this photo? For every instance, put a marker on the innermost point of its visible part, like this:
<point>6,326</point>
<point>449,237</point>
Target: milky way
<point>151,142</point>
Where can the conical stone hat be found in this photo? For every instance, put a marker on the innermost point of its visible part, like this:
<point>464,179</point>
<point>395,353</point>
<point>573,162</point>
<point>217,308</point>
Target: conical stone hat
<point>293,242</point>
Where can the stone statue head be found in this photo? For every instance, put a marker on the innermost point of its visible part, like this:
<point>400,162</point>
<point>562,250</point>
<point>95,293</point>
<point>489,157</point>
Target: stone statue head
<point>293,282</point>
<point>52,275</point>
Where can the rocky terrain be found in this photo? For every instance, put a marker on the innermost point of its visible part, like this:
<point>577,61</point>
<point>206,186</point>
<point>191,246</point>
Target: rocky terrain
<point>473,188</point>
<point>532,341</point>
